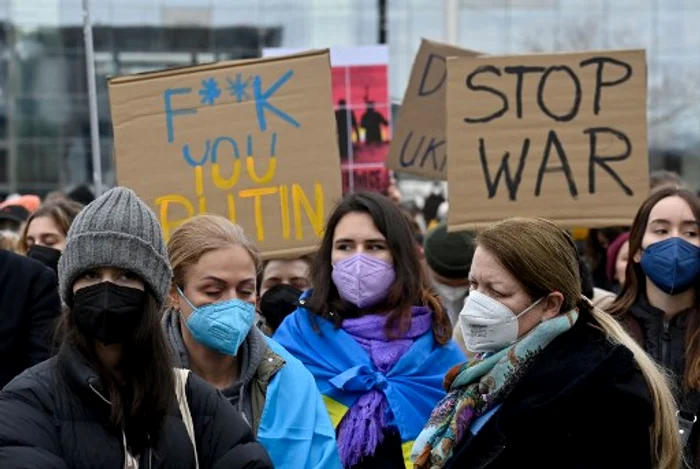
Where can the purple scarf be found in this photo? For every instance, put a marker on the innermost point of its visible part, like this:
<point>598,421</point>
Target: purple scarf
<point>362,429</point>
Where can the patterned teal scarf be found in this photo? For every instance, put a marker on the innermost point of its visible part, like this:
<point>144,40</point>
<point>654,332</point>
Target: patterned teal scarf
<point>475,388</point>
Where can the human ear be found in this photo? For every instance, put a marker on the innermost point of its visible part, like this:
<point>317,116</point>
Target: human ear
<point>174,297</point>
<point>552,305</point>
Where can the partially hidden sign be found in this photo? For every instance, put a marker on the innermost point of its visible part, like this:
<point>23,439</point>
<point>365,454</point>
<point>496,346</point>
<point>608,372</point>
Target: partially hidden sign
<point>251,140</point>
<point>561,136</point>
<point>419,145</point>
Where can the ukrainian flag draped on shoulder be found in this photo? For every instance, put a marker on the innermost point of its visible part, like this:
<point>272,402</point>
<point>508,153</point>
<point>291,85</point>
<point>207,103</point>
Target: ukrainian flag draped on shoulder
<point>344,371</point>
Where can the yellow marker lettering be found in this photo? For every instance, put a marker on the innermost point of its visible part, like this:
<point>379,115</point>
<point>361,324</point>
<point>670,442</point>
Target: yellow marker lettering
<point>220,181</point>
<point>284,211</point>
<point>271,168</point>
<point>199,188</point>
<point>231,203</point>
<point>315,216</point>
<point>258,193</point>
<point>164,203</point>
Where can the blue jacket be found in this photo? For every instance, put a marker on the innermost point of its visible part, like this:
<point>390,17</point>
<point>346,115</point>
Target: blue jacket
<point>296,436</point>
<point>344,372</point>
<point>278,397</point>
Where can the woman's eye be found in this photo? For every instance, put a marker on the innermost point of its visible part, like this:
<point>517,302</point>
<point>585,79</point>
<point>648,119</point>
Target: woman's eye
<point>691,234</point>
<point>376,247</point>
<point>342,247</point>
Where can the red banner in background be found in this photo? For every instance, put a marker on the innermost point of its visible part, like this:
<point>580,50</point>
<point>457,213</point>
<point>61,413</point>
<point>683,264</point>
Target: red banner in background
<point>360,80</point>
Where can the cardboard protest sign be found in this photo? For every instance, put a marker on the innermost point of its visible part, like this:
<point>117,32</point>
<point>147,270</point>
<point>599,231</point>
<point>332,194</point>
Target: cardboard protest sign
<point>561,136</point>
<point>250,140</point>
<point>419,146</point>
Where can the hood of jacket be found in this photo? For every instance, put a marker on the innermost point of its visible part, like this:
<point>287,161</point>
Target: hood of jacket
<point>251,355</point>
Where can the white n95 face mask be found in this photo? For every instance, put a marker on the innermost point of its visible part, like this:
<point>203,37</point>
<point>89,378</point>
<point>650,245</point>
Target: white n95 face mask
<point>487,324</point>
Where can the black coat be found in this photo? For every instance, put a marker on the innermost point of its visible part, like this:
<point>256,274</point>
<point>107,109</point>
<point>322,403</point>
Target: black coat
<point>29,307</point>
<point>52,416</point>
<point>664,341</point>
<point>583,404</point>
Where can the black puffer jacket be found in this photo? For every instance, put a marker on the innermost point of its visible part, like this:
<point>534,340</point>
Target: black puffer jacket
<point>582,404</point>
<point>53,416</point>
<point>664,341</point>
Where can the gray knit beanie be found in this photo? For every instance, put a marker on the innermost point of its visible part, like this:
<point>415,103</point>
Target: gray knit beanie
<point>116,230</point>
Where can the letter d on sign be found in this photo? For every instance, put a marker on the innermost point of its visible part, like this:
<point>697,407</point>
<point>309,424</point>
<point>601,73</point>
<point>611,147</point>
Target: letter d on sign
<point>441,73</point>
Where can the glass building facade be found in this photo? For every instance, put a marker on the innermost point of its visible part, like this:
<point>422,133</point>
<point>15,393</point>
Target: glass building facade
<point>44,119</point>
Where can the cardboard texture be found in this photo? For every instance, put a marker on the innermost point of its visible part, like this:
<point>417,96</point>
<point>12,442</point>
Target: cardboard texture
<point>418,146</point>
<point>251,140</point>
<point>562,137</point>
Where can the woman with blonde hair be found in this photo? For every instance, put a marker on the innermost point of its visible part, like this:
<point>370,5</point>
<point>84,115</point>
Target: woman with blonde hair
<point>556,383</point>
<point>210,330</point>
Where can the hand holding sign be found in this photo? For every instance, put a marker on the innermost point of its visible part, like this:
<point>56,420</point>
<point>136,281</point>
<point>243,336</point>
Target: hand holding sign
<point>556,136</point>
<point>237,139</point>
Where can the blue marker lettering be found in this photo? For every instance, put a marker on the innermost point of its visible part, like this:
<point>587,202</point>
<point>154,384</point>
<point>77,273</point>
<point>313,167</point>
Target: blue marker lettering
<point>262,98</point>
<point>273,144</point>
<point>188,157</point>
<point>170,112</point>
<point>215,150</point>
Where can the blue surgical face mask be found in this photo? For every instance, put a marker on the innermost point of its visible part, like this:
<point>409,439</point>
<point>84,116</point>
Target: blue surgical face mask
<point>672,265</point>
<point>221,326</point>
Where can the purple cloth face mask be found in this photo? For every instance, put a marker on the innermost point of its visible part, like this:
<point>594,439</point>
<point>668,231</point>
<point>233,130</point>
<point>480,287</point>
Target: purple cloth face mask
<point>363,280</point>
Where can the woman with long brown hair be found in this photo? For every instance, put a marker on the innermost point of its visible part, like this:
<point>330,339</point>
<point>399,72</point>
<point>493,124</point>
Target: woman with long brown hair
<point>556,383</point>
<point>371,332</point>
<point>111,398</point>
<point>659,300</point>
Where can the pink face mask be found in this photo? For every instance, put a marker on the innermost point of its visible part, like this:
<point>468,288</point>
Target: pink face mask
<point>363,280</point>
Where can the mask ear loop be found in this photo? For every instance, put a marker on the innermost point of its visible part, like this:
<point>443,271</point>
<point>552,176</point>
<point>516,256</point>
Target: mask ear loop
<point>182,294</point>
<point>529,308</point>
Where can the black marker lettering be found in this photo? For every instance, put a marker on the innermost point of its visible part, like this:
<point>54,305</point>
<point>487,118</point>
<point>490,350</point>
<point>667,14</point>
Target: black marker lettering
<point>520,71</point>
<point>473,87</point>
<point>406,142</point>
<point>422,91</point>
<point>512,183</point>
<point>430,150</point>
<point>602,161</point>
<point>599,83</point>
<point>577,94</point>
<point>553,141</point>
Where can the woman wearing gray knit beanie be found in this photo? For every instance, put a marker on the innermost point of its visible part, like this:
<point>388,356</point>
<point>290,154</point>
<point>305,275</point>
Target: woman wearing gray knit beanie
<point>111,398</point>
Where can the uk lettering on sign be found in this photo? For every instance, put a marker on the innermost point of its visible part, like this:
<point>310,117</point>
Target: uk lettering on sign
<point>419,145</point>
<point>558,136</point>
<point>249,140</point>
